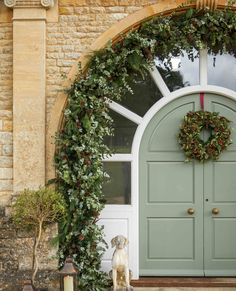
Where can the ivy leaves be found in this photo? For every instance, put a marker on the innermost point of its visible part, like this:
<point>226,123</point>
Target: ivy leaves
<point>80,146</point>
<point>215,30</point>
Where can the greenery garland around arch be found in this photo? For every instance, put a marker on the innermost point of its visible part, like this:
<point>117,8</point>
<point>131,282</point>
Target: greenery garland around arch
<point>80,146</point>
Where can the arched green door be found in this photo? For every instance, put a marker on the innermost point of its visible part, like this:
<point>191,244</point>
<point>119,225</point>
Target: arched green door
<point>172,241</point>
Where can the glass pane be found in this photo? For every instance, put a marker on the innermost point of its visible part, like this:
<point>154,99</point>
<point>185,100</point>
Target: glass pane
<point>121,141</point>
<point>222,71</point>
<point>117,189</point>
<point>145,94</point>
<point>184,71</point>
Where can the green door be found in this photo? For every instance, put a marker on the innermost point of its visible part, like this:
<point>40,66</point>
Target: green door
<point>173,241</point>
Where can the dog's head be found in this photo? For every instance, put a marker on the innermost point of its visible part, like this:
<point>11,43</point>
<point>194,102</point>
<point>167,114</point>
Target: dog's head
<point>119,242</point>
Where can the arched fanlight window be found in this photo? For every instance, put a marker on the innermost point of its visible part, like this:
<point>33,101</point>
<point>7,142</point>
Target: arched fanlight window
<point>196,69</point>
<point>184,71</point>
<point>221,70</point>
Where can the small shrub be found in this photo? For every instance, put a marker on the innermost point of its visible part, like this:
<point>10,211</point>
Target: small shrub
<point>33,211</point>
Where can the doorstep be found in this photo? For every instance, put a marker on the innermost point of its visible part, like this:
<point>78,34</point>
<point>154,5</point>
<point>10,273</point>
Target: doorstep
<point>182,289</point>
<point>185,282</point>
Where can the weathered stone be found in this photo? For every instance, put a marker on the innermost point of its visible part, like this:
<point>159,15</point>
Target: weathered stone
<point>16,256</point>
<point>6,114</point>
<point>67,2</point>
<point>6,185</point>
<point>76,32</point>
<point>25,250</point>
<point>5,137</point>
<point>45,280</point>
<point>80,23</point>
<point>6,173</point>
<point>64,63</point>
<point>5,197</point>
<point>66,10</point>
<point>8,232</point>
<point>7,150</point>
<point>2,212</point>
<point>115,9</point>
<point>95,10</point>
<point>82,10</point>
<point>5,96</point>
<point>7,125</point>
<point>6,104</point>
<point>6,162</point>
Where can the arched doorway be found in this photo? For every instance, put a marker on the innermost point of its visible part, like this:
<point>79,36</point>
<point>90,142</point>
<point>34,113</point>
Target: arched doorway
<point>173,240</point>
<point>160,91</point>
<point>123,217</point>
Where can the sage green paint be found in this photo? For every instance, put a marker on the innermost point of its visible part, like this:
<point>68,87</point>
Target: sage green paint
<point>173,242</point>
<point>220,190</point>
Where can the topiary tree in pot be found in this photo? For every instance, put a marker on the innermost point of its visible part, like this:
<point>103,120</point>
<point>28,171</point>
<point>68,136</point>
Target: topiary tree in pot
<point>34,211</point>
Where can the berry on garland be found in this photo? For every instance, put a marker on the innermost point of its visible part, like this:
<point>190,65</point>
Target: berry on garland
<point>191,142</point>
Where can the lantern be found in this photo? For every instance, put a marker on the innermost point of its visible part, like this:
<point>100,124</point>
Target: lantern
<point>28,286</point>
<point>68,276</point>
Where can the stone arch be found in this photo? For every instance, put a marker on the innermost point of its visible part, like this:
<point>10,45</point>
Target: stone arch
<point>130,22</point>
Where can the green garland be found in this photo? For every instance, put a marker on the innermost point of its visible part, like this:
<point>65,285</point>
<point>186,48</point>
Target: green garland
<point>189,136</point>
<point>80,147</point>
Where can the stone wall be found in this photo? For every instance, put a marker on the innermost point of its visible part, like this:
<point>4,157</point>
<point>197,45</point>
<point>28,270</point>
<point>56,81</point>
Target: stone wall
<point>16,257</point>
<point>80,23</point>
<point>5,112</point>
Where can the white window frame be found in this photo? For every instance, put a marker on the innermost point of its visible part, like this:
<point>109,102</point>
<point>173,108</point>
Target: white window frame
<point>128,215</point>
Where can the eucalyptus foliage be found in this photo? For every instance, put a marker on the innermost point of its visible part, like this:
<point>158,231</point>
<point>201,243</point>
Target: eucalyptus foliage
<point>80,146</point>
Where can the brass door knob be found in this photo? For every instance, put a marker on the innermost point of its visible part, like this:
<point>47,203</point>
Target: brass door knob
<point>191,211</point>
<point>215,211</point>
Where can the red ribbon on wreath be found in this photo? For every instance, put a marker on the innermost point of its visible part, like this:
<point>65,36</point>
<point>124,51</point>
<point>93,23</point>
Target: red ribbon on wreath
<point>202,100</point>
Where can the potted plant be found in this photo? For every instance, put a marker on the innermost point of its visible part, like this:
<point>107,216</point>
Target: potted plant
<point>34,211</point>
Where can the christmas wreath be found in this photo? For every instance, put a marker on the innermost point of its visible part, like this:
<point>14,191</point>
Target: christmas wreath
<point>191,142</point>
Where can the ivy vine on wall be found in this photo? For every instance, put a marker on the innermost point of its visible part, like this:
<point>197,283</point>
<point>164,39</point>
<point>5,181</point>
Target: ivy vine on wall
<point>80,146</point>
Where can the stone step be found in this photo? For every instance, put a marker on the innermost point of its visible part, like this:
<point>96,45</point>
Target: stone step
<point>183,289</point>
<point>193,282</point>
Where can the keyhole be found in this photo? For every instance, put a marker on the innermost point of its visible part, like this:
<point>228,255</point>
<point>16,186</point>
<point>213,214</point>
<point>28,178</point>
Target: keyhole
<point>206,200</point>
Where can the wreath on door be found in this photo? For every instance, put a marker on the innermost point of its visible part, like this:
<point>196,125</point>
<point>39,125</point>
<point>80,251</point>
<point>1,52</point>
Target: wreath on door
<point>191,141</point>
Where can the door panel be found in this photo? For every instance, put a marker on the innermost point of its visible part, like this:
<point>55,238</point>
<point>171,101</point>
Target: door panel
<point>224,192</point>
<point>227,108</point>
<point>159,176</point>
<point>173,242</point>
<point>224,235</point>
<point>163,138</point>
<point>220,191</point>
<point>171,245</point>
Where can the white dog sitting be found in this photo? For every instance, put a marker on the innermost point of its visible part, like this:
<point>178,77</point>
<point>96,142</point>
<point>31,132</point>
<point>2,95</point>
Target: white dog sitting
<point>120,264</point>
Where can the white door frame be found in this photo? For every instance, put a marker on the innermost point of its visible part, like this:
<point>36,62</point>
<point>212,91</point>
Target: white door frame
<point>125,218</point>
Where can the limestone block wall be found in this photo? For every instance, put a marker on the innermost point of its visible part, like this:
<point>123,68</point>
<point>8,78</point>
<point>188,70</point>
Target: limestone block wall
<point>80,23</point>
<point>6,150</point>
<point>16,257</point>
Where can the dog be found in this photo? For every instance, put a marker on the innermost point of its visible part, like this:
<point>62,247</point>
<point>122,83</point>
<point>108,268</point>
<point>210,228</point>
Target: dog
<point>120,264</point>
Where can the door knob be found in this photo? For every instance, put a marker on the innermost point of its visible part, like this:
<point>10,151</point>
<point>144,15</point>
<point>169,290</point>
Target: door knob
<point>215,211</point>
<point>191,211</point>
